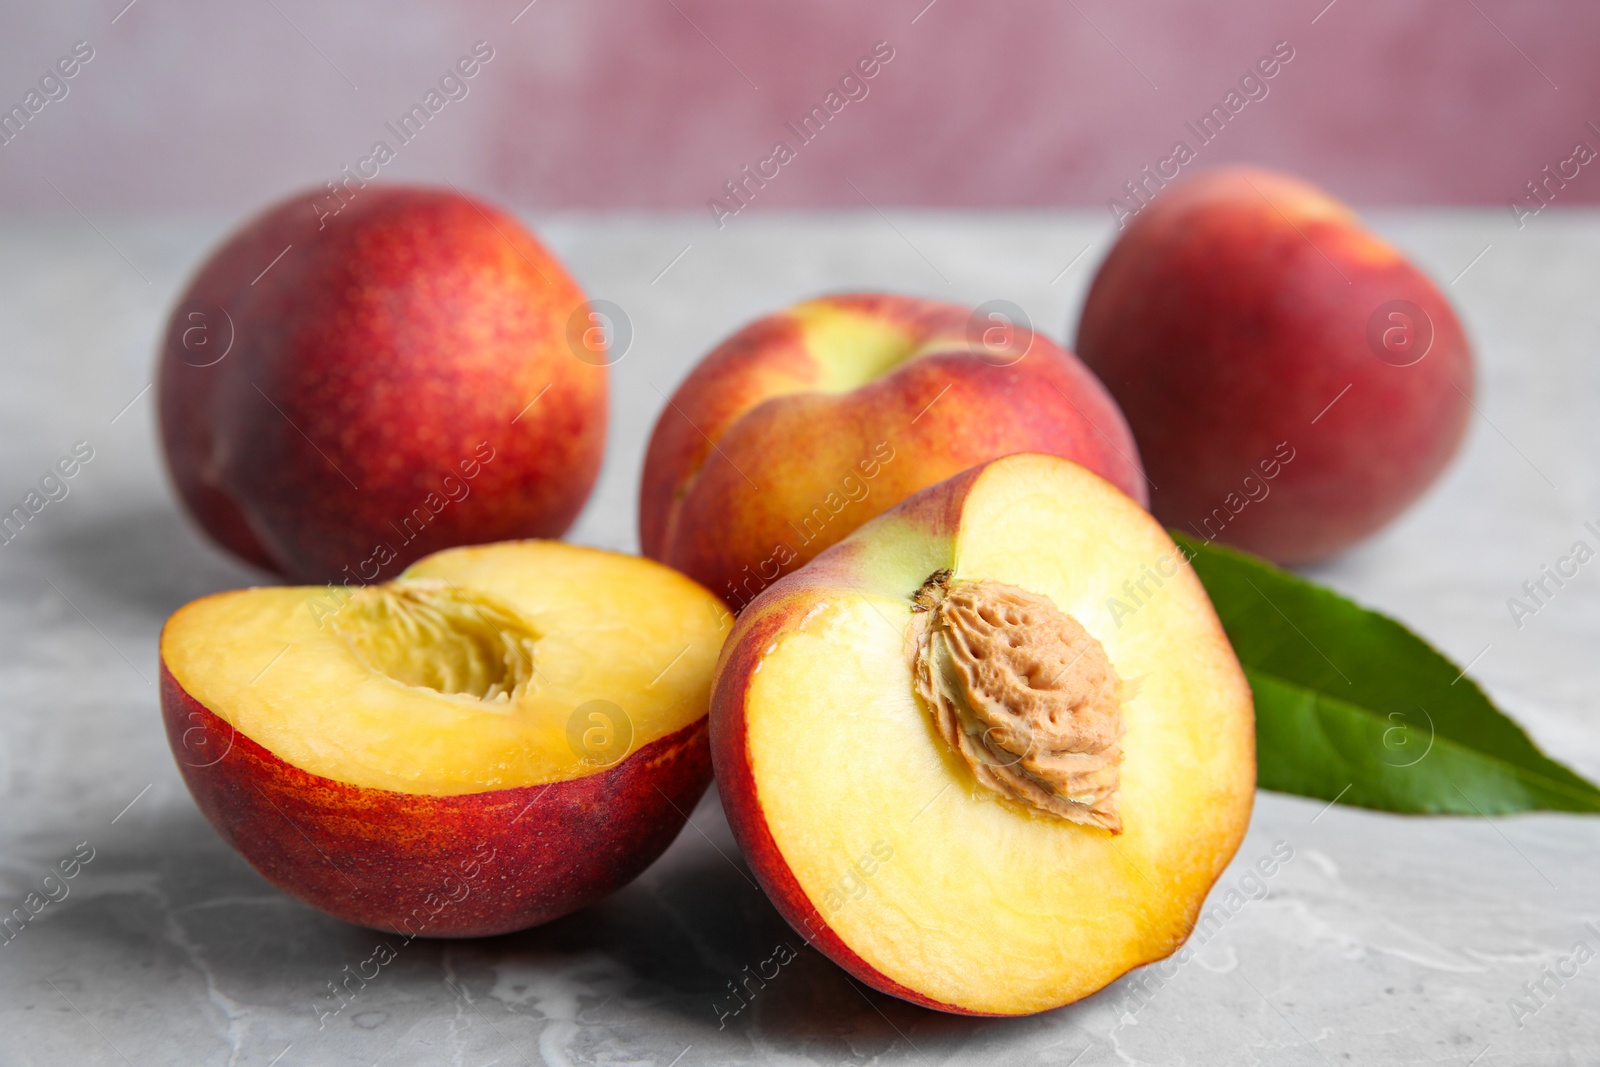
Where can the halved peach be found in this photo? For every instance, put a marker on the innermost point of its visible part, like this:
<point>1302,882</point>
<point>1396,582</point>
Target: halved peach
<point>497,737</point>
<point>967,763</point>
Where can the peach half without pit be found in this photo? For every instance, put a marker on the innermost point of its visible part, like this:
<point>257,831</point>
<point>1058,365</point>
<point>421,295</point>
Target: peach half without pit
<point>960,770</point>
<point>808,422</point>
<point>497,737</point>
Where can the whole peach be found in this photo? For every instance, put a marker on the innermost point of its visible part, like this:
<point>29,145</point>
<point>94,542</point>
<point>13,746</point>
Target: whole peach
<point>1293,381</point>
<point>343,392</point>
<point>807,423</point>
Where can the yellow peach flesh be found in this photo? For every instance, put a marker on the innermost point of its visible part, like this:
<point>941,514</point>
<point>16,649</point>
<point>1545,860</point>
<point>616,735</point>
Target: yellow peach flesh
<point>984,903</point>
<point>602,626</point>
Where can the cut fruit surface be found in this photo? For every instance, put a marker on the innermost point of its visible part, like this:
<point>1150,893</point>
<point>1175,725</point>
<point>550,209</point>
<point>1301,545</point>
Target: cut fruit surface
<point>874,834</point>
<point>499,736</point>
<point>459,676</point>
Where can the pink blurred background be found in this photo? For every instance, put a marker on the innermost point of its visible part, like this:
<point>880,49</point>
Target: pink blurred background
<point>655,104</point>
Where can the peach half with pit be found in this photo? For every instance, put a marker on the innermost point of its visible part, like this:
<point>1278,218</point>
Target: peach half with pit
<point>497,737</point>
<point>1028,789</point>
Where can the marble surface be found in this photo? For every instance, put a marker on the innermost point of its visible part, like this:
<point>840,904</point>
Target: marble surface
<point>1384,940</point>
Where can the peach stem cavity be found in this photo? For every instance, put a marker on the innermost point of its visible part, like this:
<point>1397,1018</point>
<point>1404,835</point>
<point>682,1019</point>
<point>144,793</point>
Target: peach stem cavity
<point>432,634</point>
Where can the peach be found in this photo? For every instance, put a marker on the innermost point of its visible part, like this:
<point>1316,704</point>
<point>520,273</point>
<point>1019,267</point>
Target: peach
<point>806,423</point>
<point>1293,381</point>
<point>341,395</point>
<point>960,770</point>
<point>495,738</point>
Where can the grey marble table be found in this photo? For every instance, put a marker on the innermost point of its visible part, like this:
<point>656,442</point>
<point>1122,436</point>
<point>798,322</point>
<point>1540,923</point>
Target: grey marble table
<point>1384,940</point>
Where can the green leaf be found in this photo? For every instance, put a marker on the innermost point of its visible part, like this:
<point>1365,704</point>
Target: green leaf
<point>1351,705</point>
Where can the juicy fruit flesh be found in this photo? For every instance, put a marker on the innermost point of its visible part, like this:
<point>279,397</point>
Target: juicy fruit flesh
<point>985,904</point>
<point>463,675</point>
